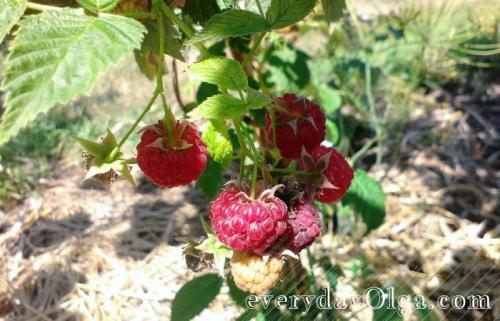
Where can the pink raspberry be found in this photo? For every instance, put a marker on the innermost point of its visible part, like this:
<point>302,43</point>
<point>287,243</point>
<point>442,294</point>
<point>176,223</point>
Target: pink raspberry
<point>304,224</point>
<point>244,224</point>
<point>299,123</point>
<point>334,173</point>
<point>303,227</point>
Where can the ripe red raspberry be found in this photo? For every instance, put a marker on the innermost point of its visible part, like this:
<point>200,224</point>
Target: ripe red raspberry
<point>304,226</point>
<point>334,173</point>
<point>244,224</point>
<point>299,123</point>
<point>171,162</point>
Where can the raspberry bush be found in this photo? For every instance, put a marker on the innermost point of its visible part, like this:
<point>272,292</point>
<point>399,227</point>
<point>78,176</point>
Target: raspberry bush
<point>262,153</point>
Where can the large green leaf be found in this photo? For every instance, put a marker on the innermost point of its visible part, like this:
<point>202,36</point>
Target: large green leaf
<point>232,23</point>
<point>57,56</point>
<point>367,198</point>
<point>195,296</point>
<point>283,13</point>
<point>220,107</point>
<point>223,72</point>
<point>10,13</point>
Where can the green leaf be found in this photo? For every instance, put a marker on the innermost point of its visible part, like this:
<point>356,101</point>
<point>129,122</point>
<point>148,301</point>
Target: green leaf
<point>171,39</point>
<point>238,296</point>
<point>147,57</point>
<point>206,90</point>
<point>334,9</point>
<point>382,312</point>
<point>367,199</point>
<point>283,13</point>
<point>257,99</point>
<point>212,179</point>
<point>332,132</point>
<point>195,296</point>
<point>10,13</point>
<point>98,5</point>
<point>288,70</point>
<point>220,107</point>
<point>52,63</point>
<point>218,145</point>
<point>232,23</point>
<point>332,272</point>
<point>330,100</point>
<point>147,61</point>
<point>223,72</point>
<point>226,4</point>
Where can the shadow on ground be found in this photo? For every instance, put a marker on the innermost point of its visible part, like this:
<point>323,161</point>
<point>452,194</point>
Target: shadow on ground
<point>46,234</point>
<point>161,221</point>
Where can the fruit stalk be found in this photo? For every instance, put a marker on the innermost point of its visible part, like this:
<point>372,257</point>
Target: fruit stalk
<point>138,120</point>
<point>169,118</point>
<point>252,52</point>
<point>260,8</point>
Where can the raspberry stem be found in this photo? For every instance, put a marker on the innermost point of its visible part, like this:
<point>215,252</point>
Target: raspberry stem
<point>260,8</point>
<point>254,180</point>
<point>243,149</point>
<point>138,120</point>
<point>169,118</point>
<point>272,115</point>
<point>254,49</point>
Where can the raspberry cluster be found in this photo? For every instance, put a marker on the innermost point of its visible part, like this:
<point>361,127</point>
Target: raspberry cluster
<point>280,218</point>
<point>261,224</point>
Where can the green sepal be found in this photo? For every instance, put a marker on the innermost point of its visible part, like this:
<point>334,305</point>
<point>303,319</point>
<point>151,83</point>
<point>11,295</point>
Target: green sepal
<point>219,251</point>
<point>106,158</point>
